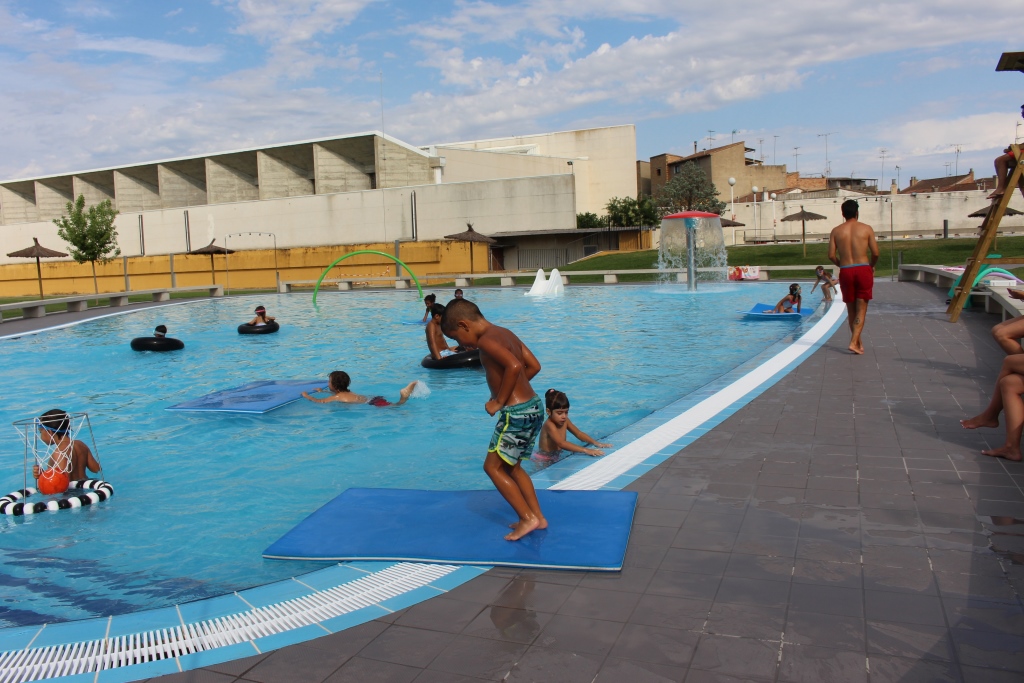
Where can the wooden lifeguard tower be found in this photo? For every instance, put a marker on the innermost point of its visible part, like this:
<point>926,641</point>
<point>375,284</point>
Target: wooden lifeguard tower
<point>1009,61</point>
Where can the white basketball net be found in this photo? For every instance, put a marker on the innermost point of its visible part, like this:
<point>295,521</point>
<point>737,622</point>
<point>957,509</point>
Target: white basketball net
<point>50,442</point>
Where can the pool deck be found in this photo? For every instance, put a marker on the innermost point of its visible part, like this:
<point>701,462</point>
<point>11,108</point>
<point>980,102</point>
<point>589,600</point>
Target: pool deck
<point>840,527</point>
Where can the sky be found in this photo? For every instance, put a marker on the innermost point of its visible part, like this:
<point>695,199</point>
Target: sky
<point>97,83</point>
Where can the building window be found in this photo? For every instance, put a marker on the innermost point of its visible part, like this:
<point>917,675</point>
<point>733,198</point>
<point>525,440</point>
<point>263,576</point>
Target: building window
<point>659,171</point>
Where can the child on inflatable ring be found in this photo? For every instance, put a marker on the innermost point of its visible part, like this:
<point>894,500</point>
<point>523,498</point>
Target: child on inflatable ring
<point>54,426</point>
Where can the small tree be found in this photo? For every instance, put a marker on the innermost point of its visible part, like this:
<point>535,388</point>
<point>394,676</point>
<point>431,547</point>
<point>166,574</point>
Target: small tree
<point>626,212</point>
<point>588,221</point>
<point>689,190</point>
<point>90,233</point>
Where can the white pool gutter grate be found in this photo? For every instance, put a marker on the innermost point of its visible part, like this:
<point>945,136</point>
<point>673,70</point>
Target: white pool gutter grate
<point>33,664</point>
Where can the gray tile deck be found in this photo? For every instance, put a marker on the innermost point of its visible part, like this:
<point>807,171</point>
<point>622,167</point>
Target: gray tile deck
<point>841,527</point>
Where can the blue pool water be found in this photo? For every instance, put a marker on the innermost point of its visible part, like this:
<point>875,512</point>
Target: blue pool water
<point>199,496</point>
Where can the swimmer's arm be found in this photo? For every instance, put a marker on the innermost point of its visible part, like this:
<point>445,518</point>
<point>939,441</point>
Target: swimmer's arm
<point>314,399</point>
<point>564,444</point>
<point>510,369</point>
<point>531,364</point>
<point>584,437</point>
<point>816,281</point>
<point>253,321</point>
<point>91,463</point>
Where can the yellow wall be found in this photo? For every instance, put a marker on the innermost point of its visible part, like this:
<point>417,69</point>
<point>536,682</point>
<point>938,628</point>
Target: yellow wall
<point>248,269</point>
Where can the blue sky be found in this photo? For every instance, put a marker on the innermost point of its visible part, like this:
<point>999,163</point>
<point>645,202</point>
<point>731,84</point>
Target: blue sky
<point>92,83</point>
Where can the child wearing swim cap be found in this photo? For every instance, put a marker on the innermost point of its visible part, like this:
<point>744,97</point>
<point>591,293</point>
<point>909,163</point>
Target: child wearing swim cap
<point>787,302</point>
<point>552,435</point>
<point>261,317</point>
<point>55,430</point>
<point>337,384</point>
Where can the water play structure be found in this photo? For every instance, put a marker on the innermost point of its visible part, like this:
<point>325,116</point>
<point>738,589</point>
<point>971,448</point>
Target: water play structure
<point>693,240</point>
<point>551,286</point>
<point>338,260</point>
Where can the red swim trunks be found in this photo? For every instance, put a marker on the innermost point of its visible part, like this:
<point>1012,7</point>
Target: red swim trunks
<point>856,282</point>
<point>379,402</point>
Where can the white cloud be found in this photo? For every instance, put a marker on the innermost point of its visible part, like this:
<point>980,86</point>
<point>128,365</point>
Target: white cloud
<point>157,49</point>
<point>174,13</point>
<point>978,132</point>
<point>89,10</point>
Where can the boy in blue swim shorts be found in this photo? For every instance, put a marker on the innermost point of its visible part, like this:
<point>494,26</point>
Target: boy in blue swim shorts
<point>509,366</point>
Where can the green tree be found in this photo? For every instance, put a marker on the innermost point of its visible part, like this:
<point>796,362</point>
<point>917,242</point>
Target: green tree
<point>589,221</point>
<point>626,212</point>
<point>90,233</point>
<point>689,190</point>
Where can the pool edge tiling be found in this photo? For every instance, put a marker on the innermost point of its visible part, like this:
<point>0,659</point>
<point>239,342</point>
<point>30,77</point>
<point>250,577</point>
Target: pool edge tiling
<point>144,644</point>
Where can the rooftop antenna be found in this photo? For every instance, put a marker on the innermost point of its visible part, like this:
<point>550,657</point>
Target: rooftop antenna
<point>796,159</point>
<point>775,146</point>
<point>957,147</point>
<point>732,139</point>
<point>947,165</point>
<point>711,138</point>
<point>760,147</point>
<point>828,166</point>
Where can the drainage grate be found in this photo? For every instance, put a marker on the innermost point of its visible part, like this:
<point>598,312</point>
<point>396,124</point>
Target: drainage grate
<point>32,664</point>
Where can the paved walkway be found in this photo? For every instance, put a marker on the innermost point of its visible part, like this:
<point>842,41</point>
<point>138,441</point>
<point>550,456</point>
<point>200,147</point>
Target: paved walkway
<point>841,527</point>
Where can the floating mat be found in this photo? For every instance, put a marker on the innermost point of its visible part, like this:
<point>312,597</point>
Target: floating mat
<point>255,397</point>
<point>588,529</point>
<point>764,312</point>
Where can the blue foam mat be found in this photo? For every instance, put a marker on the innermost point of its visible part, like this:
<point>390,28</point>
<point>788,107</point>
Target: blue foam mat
<point>587,529</point>
<point>764,312</point>
<point>254,397</point>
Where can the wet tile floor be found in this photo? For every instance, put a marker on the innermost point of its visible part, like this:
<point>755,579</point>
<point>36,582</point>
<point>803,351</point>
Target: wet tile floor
<point>841,527</point>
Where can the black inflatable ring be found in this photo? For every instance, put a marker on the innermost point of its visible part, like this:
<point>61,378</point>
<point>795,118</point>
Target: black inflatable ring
<point>462,359</point>
<point>157,344</point>
<point>96,490</point>
<point>269,328</point>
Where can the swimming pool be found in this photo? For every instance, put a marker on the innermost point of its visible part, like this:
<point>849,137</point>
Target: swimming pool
<point>199,496</point>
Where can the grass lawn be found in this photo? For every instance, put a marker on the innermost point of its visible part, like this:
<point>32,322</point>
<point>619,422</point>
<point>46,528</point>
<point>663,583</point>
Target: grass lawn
<point>951,252</point>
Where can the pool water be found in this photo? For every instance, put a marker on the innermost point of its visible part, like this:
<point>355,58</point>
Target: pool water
<point>199,496</point>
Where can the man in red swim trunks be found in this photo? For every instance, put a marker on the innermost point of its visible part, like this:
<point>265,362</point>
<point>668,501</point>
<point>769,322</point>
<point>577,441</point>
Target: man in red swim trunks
<point>852,247</point>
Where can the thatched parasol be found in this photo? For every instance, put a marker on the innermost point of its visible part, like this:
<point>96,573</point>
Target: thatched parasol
<point>803,217</point>
<point>981,213</point>
<point>37,251</point>
<point>471,235</point>
<point>727,223</point>
<point>212,249</point>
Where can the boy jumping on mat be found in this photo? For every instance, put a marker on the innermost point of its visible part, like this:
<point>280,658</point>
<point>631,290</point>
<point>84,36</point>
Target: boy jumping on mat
<point>510,366</point>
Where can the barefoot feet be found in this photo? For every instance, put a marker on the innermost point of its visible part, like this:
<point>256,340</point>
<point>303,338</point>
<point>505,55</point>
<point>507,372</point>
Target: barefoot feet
<point>979,421</point>
<point>521,529</point>
<point>1006,452</point>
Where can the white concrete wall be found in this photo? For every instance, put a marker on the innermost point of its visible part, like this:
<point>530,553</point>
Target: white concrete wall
<point>609,153</point>
<point>925,212</point>
<point>541,203</point>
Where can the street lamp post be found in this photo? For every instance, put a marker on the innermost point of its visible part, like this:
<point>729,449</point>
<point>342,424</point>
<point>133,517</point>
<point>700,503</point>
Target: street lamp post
<point>732,199</point>
<point>774,238</point>
<point>757,224</point>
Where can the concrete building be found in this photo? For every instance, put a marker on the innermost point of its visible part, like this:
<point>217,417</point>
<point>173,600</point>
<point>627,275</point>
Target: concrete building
<point>719,164</point>
<point>347,191</point>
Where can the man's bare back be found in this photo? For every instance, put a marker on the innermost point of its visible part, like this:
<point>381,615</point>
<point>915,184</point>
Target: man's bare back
<point>853,243</point>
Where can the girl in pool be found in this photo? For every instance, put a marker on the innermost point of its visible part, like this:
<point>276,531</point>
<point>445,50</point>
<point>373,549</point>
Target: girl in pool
<point>261,318</point>
<point>552,435</point>
<point>828,285</point>
<point>790,300</point>
<point>337,384</point>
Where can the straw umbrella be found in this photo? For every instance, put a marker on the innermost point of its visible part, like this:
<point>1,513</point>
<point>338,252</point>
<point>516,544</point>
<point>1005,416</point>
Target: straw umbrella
<point>471,236</point>
<point>37,252</point>
<point>983,213</point>
<point>212,249</point>
<point>727,223</point>
<point>803,217</point>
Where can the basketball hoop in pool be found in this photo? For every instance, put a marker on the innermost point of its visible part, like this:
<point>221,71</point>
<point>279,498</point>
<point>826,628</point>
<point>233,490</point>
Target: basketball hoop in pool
<point>50,443</point>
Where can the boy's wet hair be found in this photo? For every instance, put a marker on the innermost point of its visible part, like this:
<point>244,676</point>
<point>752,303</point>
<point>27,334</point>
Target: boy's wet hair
<point>437,309</point>
<point>160,330</point>
<point>56,421</point>
<point>430,298</point>
<point>456,310</point>
<point>339,380</point>
<point>458,291</point>
<point>556,400</point>
<point>850,209</point>
<point>260,309</point>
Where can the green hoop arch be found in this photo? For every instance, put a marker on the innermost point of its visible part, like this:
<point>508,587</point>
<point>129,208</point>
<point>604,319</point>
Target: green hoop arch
<point>365,251</point>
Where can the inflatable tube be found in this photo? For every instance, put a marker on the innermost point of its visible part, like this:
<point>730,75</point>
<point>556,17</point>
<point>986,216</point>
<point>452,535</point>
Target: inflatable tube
<point>93,491</point>
<point>462,359</point>
<point>985,272</point>
<point>269,328</point>
<point>157,344</point>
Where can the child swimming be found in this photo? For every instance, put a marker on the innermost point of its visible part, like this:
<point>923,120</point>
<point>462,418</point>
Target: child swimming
<point>337,384</point>
<point>261,317</point>
<point>54,430</point>
<point>552,436</point>
<point>429,300</point>
<point>787,302</point>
